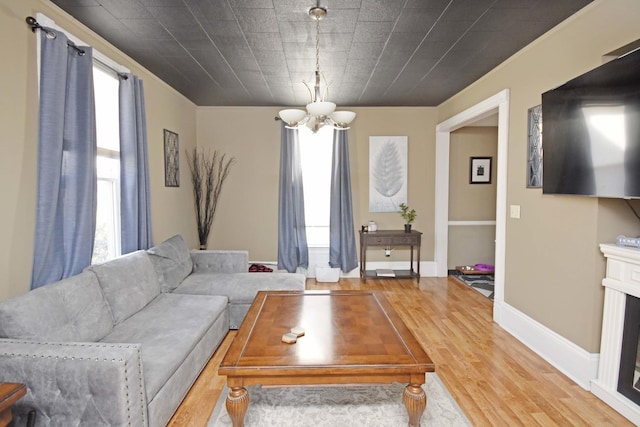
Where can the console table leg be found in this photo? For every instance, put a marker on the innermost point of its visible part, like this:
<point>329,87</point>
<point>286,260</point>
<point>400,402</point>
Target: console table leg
<point>237,404</point>
<point>415,400</point>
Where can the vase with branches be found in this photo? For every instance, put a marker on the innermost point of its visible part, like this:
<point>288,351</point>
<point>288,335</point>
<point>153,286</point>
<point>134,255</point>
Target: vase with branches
<point>209,170</point>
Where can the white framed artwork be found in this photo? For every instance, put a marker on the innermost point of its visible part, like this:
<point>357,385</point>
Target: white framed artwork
<point>387,173</point>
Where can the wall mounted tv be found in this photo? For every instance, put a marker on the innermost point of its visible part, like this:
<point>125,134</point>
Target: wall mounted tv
<point>591,132</point>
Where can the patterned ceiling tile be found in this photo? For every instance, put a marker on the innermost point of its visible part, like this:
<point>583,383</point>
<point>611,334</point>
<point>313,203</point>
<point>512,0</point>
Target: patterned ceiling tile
<point>372,52</point>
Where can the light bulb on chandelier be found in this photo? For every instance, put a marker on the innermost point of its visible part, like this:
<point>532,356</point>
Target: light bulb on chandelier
<point>319,112</point>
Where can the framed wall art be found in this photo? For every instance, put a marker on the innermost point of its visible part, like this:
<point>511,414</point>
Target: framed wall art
<point>480,170</point>
<point>387,173</point>
<point>171,159</point>
<point>534,148</point>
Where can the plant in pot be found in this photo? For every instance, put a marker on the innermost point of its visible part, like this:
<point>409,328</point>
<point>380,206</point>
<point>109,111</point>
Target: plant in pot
<point>208,173</point>
<point>409,215</point>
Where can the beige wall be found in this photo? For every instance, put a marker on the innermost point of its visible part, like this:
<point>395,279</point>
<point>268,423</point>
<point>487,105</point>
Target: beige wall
<point>472,202</point>
<point>471,244</point>
<point>553,266</point>
<point>246,217</point>
<point>552,257</point>
<point>19,121</point>
<point>248,214</point>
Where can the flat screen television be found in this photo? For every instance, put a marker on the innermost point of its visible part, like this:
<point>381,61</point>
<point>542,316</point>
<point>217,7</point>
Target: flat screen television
<point>591,132</point>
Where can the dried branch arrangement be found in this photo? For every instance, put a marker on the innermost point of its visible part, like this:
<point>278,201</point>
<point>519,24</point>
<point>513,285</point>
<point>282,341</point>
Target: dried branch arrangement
<point>208,173</point>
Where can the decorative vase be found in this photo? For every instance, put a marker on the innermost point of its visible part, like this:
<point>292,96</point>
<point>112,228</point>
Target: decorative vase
<point>407,228</point>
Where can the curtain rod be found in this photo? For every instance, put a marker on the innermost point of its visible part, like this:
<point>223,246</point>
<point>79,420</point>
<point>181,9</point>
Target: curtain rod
<point>35,25</point>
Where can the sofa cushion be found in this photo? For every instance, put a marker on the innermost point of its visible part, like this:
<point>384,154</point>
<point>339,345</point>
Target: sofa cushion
<point>169,329</point>
<point>72,309</point>
<point>129,283</point>
<point>172,262</point>
<point>240,288</point>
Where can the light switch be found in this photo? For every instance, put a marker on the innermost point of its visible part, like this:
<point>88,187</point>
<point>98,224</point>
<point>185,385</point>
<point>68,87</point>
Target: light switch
<point>515,211</point>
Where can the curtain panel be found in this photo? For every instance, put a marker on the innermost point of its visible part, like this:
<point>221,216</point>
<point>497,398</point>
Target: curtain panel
<point>342,241</point>
<point>292,234</point>
<point>135,205</point>
<point>67,184</point>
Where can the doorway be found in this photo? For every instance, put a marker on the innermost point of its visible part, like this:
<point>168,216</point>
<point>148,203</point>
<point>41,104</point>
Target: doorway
<point>498,103</point>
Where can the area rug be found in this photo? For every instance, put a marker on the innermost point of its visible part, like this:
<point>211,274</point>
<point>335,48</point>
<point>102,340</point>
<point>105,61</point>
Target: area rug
<point>482,283</point>
<point>325,406</point>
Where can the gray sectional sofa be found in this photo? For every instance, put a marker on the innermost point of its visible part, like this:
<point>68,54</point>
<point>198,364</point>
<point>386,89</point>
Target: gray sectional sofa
<point>121,343</point>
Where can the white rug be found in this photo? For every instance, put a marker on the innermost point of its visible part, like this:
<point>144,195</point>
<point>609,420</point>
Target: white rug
<point>324,406</point>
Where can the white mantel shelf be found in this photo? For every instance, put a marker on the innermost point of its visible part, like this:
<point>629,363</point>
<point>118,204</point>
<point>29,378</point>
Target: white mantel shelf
<point>622,279</point>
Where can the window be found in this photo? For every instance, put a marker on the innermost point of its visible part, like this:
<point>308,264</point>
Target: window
<point>316,154</point>
<point>107,238</point>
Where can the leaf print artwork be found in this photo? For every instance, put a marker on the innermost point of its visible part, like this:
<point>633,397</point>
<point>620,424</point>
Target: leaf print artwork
<point>387,171</point>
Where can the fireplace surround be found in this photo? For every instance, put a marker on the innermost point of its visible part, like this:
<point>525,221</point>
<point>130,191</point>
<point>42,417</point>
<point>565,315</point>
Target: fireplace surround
<point>629,375</point>
<point>622,284</point>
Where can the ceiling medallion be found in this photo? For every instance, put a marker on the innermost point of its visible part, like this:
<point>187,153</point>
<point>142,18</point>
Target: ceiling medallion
<point>319,112</point>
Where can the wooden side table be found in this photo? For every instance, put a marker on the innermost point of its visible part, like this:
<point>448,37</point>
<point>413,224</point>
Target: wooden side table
<point>390,238</point>
<point>9,394</point>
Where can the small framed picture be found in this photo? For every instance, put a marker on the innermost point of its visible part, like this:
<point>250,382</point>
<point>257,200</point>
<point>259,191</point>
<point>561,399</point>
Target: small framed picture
<point>171,159</point>
<point>480,172</point>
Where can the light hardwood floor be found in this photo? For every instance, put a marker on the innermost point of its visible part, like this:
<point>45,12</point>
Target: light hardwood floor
<point>495,379</point>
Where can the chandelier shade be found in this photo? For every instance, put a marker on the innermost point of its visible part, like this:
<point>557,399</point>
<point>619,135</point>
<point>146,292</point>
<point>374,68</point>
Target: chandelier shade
<point>321,108</point>
<point>319,112</point>
<point>343,118</point>
<point>292,116</point>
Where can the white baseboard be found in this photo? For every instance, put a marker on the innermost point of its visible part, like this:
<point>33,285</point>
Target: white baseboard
<point>427,269</point>
<point>620,403</point>
<point>570,359</point>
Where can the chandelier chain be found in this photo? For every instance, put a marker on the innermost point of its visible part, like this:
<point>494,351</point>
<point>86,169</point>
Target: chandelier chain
<point>317,44</point>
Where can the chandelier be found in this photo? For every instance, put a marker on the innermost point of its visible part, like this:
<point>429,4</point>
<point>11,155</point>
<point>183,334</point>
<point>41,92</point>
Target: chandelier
<point>319,112</point>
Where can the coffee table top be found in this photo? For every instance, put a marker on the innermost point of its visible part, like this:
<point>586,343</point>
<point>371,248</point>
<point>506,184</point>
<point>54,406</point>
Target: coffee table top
<point>347,333</point>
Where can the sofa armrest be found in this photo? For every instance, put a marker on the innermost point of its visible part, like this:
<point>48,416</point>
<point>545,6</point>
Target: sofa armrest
<point>220,261</point>
<point>76,383</point>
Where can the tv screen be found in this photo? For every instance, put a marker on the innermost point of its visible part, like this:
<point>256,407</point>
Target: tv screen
<point>591,132</point>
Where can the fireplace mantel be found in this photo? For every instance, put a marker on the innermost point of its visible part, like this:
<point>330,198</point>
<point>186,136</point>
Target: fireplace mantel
<point>622,279</point>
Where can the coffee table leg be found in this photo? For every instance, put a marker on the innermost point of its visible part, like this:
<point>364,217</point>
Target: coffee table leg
<point>237,404</point>
<point>415,400</point>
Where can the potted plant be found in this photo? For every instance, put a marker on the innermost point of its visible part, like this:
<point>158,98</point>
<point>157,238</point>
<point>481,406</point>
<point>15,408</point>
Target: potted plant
<point>208,173</point>
<point>409,215</point>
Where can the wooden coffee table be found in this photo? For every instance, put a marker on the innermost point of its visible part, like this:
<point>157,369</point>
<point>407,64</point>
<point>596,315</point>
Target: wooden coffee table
<point>351,337</point>
<point>10,393</point>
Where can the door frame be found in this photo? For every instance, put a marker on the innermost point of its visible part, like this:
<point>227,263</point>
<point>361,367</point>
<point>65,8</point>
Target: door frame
<point>497,103</point>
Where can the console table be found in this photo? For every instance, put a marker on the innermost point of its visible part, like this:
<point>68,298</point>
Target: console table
<point>390,238</point>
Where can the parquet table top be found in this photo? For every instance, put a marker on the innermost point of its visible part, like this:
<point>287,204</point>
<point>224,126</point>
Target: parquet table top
<point>346,331</point>
<point>351,337</point>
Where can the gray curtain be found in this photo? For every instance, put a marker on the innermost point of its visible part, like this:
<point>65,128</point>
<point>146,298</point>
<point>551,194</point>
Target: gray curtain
<point>67,186</point>
<point>135,205</point>
<point>342,241</point>
<point>292,235</point>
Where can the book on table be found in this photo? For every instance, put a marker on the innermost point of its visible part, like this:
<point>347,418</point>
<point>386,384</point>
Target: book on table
<point>385,272</point>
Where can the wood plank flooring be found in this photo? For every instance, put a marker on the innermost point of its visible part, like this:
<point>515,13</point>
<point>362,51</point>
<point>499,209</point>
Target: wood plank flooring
<point>495,379</point>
